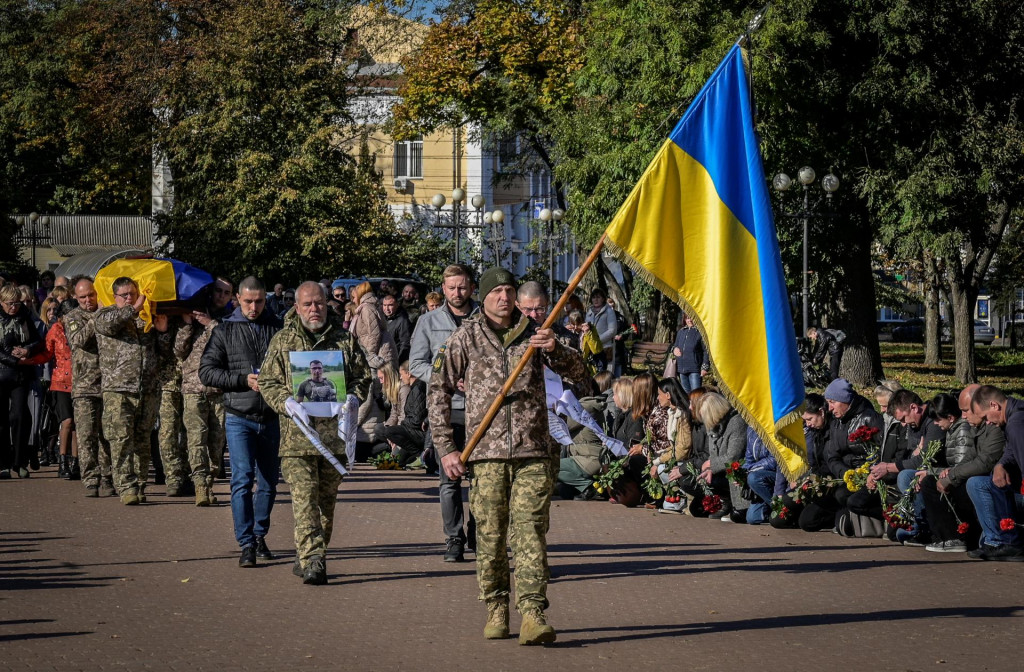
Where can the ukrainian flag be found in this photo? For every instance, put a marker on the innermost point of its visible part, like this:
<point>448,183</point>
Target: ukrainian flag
<point>699,227</point>
<point>158,280</point>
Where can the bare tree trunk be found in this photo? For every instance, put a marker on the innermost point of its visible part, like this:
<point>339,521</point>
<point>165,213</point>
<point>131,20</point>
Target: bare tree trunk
<point>932,336</point>
<point>857,367</point>
<point>668,322</point>
<point>966,268</point>
<point>963,300</point>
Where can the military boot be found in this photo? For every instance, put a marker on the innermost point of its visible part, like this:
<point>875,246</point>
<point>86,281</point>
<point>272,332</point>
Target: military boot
<point>535,629</point>
<point>142,492</point>
<point>209,490</point>
<point>202,493</point>
<point>316,571</point>
<point>106,488</point>
<point>129,498</point>
<point>497,620</point>
<point>61,467</point>
<point>76,469</point>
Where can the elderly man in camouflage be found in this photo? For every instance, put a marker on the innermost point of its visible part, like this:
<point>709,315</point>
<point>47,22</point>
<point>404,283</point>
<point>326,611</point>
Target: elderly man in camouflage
<point>313,481</point>
<point>86,390</point>
<point>512,479</point>
<point>129,359</point>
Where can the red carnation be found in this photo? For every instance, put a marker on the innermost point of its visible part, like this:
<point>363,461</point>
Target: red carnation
<point>1007,524</point>
<point>962,528</point>
<point>711,503</point>
<point>785,511</point>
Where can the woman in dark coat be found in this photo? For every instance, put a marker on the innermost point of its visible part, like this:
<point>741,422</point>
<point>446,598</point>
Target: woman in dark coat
<point>19,340</point>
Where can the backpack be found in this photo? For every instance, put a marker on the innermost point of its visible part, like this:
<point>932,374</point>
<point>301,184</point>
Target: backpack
<point>837,334</point>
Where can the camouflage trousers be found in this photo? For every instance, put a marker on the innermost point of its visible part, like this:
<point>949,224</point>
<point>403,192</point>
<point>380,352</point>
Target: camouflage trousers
<point>511,500</point>
<point>128,421</point>
<point>93,449</point>
<point>314,489</point>
<point>172,453</point>
<point>204,429</point>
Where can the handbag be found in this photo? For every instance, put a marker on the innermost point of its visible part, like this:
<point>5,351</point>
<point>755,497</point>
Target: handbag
<point>670,367</point>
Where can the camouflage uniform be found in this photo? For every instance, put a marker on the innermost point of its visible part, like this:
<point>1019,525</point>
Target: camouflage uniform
<point>313,481</point>
<point>87,397</point>
<point>169,439</point>
<point>204,406</point>
<point>129,359</point>
<point>512,465</point>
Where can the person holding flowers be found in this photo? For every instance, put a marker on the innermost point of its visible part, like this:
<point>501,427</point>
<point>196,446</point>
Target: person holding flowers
<point>948,510</point>
<point>788,508</point>
<point>726,443</point>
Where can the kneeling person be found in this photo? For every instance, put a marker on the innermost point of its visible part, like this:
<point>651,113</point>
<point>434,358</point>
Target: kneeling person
<point>512,476</point>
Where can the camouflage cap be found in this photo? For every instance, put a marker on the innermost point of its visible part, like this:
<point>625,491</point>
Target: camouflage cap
<point>495,277</point>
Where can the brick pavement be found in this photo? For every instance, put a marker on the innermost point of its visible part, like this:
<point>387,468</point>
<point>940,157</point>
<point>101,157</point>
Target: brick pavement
<point>92,585</point>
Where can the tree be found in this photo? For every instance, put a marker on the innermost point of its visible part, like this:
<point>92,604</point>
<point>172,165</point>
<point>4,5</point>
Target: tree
<point>947,163</point>
<point>252,110</point>
<point>503,66</point>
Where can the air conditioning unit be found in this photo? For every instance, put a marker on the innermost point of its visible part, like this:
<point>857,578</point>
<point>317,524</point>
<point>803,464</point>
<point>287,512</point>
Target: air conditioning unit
<point>401,184</point>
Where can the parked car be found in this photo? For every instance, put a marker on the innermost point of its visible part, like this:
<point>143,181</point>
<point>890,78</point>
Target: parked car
<point>912,331</point>
<point>983,333</point>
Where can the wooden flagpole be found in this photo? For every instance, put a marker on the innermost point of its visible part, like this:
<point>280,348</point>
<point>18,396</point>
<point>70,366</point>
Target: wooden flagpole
<point>553,315</point>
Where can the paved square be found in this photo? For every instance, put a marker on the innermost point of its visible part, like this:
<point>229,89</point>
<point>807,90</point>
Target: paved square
<point>92,585</point>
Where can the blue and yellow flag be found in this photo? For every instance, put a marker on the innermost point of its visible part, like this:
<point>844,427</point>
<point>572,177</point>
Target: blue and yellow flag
<point>158,279</point>
<point>699,227</point>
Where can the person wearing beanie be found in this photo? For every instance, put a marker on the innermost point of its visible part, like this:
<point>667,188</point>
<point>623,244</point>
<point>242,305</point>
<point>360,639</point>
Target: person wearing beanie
<point>850,411</point>
<point>512,474</point>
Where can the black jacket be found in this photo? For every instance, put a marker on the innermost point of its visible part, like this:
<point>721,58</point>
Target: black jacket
<point>825,344</point>
<point>18,330</point>
<point>840,456</point>
<point>415,407</point>
<point>237,348</point>
<point>400,329</point>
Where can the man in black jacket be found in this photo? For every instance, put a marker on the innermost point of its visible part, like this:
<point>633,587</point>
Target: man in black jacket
<point>231,362</point>
<point>399,325</point>
<point>826,343</point>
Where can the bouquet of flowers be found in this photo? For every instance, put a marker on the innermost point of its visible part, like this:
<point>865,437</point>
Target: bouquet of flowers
<point>779,508</point>
<point>737,474</point>
<point>711,502</point>
<point>606,480</point>
<point>659,487</point>
<point>385,462</point>
<point>813,487</point>
<point>855,479</point>
<point>901,514</point>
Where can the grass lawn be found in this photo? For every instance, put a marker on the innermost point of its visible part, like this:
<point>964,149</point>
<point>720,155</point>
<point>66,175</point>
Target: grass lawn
<point>904,362</point>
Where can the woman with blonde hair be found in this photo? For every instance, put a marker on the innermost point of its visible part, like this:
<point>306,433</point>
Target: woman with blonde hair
<point>369,326</point>
<point>389,394</point>
<point>19,340</point>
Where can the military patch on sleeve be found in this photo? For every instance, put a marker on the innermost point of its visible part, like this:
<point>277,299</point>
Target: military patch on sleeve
<point>439,357</point>
<point>74,326</point>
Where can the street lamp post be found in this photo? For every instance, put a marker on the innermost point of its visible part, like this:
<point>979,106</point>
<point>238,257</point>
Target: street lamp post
<point>551,219</point>
<point>830,184</point>
<point>458,224</point>
<point>496,221</point>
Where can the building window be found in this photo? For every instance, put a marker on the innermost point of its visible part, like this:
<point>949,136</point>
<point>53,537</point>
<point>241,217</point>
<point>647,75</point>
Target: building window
<point>409,158</point>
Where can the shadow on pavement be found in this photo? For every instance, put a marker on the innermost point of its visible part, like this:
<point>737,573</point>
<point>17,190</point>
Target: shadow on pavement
<point>632,633</point>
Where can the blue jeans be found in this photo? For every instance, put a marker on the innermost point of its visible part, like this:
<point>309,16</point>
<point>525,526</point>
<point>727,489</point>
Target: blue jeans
<point>992,505</point>
<point>762,482</point>
<point>252,448</point>
<point>903,480</point>
<point>689,381</point>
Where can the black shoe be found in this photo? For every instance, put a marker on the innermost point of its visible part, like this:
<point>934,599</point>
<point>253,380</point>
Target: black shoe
<point>75,471</point>
<point>248,557</point>
<point>44,459</point>
<point>454,551</point>
<point>1005,553</point>
<point>918,540</point>
<point>738,517</point>
<point>62,467</point>
<point>33,462</point>
<point>262,552</point>
<point>316,571</point>
<point>297,568</point>
<point>980,551</point>
<point>5,474</point>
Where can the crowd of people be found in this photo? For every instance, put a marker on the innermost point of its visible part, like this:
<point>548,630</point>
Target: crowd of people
<point>104,391</point>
